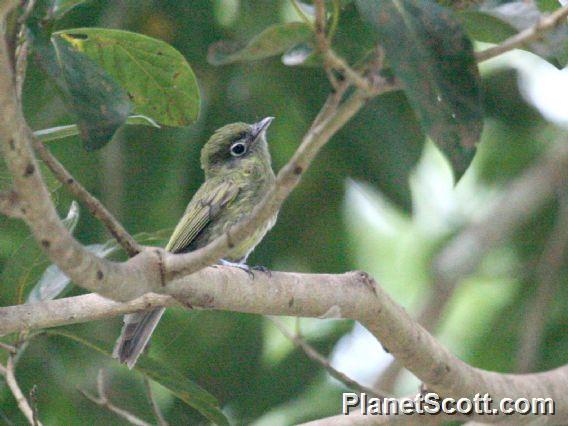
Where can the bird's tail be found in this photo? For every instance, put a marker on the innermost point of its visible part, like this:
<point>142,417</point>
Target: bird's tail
<point>136,333</point>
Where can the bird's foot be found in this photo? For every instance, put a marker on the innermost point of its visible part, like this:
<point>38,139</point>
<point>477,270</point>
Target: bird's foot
<point>261,268</point>
<point>241,266</point>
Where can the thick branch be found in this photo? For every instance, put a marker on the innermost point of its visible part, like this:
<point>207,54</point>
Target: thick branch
<point>352,295</point>
<point>530,34</point>
<point>35,203</point>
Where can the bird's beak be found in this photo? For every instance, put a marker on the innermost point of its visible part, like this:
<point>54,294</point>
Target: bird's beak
<point>259,128</point>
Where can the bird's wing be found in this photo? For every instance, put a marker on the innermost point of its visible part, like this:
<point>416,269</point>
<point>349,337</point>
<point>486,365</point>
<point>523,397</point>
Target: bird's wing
<point>204,206</point>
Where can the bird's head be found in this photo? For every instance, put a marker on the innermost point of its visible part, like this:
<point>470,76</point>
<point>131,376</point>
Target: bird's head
<point>234,145</point>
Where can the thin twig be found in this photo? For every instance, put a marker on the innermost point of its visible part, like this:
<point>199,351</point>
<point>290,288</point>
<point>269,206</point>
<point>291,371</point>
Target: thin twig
<point>314,355</point>
<point>93,204</point>
<point>323,42</point>
<point>338,63</point>
<point>11,349</point>
<point>102,401</point>
<point>33,400</point>
<point>9,373</point>
<point>530,34</point>
<point>548,279</point>
<point>335,20</point>
<point>154,404</point>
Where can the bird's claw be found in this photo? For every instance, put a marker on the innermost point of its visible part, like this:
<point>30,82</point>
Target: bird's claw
<point>261,268</point>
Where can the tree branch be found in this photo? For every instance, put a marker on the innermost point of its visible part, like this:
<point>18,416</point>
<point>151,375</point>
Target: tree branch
<point>356,419</point>
<point>9,374</point>
<point>530,34</point>
<point>353,295</point>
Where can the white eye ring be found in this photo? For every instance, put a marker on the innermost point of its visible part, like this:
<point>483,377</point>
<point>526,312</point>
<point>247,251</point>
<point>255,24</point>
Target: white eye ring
<point>238,149</point>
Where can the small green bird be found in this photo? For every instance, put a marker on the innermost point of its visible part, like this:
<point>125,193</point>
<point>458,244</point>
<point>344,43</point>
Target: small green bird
<point>238,173</point>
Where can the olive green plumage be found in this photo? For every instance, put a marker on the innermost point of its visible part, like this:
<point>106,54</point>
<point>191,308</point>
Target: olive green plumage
<point>238,173</point>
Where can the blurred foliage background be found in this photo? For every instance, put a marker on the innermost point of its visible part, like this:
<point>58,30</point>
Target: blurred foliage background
<point>376,199</point>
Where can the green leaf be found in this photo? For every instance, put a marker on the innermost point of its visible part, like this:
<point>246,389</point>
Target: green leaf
<point>185,389</point>
<point>61,132</point>
<point>101,106</point>
<point>431,55</point>
<point>486,27</point>
<point>182,387</point>
<point>273,41</point>
<point>61,7</point>
<point>159,81</point>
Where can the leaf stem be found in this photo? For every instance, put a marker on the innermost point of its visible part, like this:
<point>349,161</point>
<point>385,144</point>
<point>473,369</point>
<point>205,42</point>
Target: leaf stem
<point>335,20</point>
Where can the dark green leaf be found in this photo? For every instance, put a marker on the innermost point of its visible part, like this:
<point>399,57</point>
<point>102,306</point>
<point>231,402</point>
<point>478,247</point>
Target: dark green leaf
<point>159,81</point>
<point>273,41</point>
<point>185,389</point>
<point>61,7</point>
<point>485,27</point>
<point>431,55</point>
<point>182,387</point>
<point>101,106</point>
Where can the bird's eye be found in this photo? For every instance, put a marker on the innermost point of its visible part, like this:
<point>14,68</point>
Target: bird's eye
<point>238,149</point>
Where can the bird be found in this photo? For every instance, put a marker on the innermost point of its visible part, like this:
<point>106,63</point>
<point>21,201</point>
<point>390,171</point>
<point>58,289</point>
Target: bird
<point>238,174</point>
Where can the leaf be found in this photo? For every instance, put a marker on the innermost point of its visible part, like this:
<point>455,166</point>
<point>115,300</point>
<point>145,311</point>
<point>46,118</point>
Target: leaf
<point>485,27</point>
<point>303,54</point>
<point>431,55</point>
<point>159,81</point>
<point>182,387</point>
<point>185,389</point>
<point>101,106</point>
<point>273,41</point>
<point>61,7</point>
<point>61,132</point>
